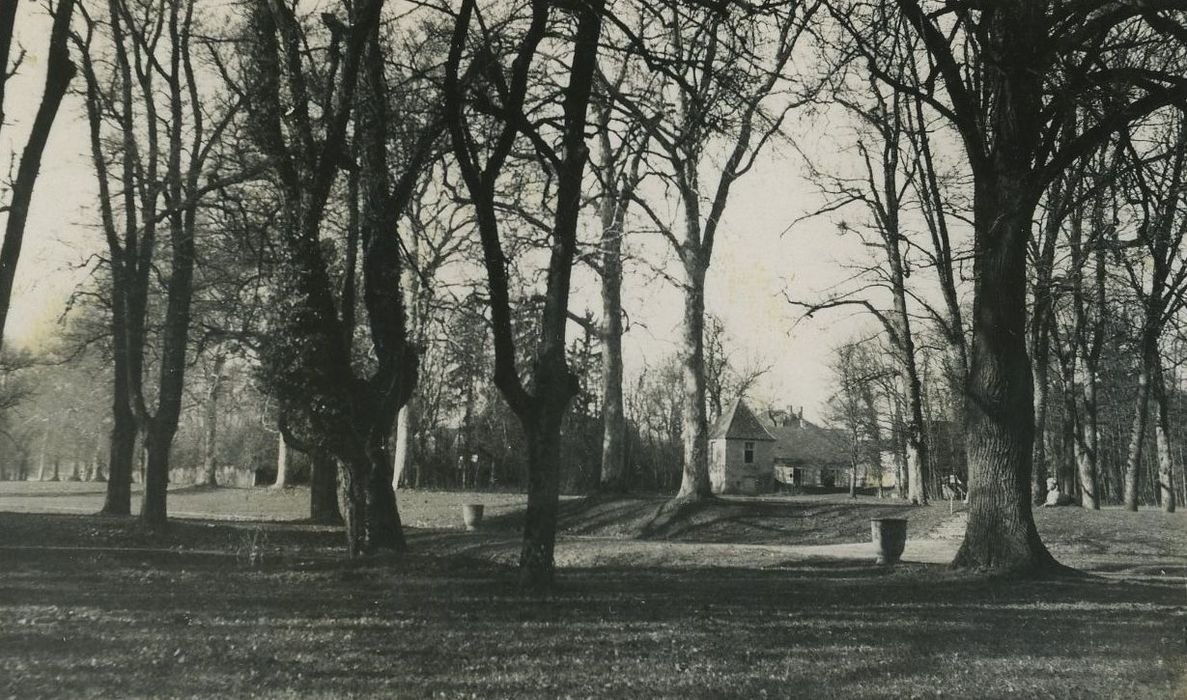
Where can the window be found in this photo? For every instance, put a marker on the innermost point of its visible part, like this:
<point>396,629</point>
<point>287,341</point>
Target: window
<point>748,452</point>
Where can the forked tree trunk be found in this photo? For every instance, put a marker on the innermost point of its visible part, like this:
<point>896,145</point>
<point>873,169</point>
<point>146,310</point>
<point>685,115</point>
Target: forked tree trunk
<point>694,432</point>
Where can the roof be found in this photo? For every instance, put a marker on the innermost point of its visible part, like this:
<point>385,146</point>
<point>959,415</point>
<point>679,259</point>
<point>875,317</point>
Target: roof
<point>801,441</point>
<point>738,422</point>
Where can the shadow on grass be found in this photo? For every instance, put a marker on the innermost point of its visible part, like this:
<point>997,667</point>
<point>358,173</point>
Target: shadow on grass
<point>721,520</point>
<point>447,620</point>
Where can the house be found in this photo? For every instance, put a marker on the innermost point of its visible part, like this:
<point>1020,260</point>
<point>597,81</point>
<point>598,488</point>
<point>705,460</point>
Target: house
<point>740,452</point>
<point>807,455</point>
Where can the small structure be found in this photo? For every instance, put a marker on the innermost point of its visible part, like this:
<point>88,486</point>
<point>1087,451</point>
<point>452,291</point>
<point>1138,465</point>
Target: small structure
<point>740,452</point>
<point>807,455</point>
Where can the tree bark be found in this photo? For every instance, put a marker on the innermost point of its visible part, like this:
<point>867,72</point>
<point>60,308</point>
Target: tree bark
<point>1088,442</point>
<point>539,534</point>
<point>153,507</point>
<point>1162,440</point>
<point>282,462</point>
<point>405,421</point>
<point>210,423</point>
<point>613,476</point>
<point>384,529</point>
<point>1137,436</point>
<point>694,483</point>
<point>1001,533</point>
<point>323,489</point>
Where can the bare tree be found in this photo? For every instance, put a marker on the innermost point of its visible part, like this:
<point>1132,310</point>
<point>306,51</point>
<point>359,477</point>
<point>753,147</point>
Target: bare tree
<point>486,83</point>
<point>1007,77</point>
<point>164,177</point>
<point>60,71</point>
<point>1157,275</point>
<point>718,70</point>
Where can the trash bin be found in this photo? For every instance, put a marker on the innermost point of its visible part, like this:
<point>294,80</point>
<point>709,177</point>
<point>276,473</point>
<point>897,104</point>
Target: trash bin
<point>889,536</point>
<point>472,515</point>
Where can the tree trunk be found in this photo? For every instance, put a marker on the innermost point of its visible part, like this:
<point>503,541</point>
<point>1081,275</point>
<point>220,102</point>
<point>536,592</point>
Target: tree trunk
<point>1137,436</point>
<point>353,488</point>
<point>210,423</point>
<point>613,416</point>
<point>384,530</point>
<point>694,482</point>
<point>1042,382</point>
<point>153,509</point>
<point>405,422</point>
<point>323,489</point>
<point>1001,534</point>
<point>1088,442</point>
<point>1162,440</point>
<point>539,530</point>
<point>282,461</point>
<point>42,454</point>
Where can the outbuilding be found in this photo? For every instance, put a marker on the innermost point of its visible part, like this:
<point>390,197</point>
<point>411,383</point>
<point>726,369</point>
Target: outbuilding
<point>740,452</point>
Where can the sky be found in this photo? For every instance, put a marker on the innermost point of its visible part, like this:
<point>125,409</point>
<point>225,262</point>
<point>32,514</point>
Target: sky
<point>757,259</point>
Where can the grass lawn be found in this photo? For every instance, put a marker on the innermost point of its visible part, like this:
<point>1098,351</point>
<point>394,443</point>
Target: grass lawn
<point>91,606</point>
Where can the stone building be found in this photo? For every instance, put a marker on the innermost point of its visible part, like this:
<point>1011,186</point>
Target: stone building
<point>740,452</point>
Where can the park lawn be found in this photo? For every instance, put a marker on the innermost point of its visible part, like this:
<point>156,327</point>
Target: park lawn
<point>773,520</point>
<point>92,606</point>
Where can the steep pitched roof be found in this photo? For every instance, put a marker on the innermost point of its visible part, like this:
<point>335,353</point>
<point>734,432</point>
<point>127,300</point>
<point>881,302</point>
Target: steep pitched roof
<point>802,441</point>
<point>738,422</point>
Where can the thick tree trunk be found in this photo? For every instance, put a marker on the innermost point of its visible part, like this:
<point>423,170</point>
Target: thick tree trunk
<point>1137,439</point>
<point>1001,534</point>
<point>694,482</point>
<point>384,530</point>
<point>323,489</point>
<point>153,509</point>
<point>1162,441</point>
<point>539,530</point>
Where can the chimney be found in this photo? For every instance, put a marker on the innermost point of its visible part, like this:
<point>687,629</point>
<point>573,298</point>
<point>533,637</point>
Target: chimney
<point>799,416</point>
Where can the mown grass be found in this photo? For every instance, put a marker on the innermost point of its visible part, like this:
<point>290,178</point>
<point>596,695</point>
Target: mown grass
<point>94,607</point>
